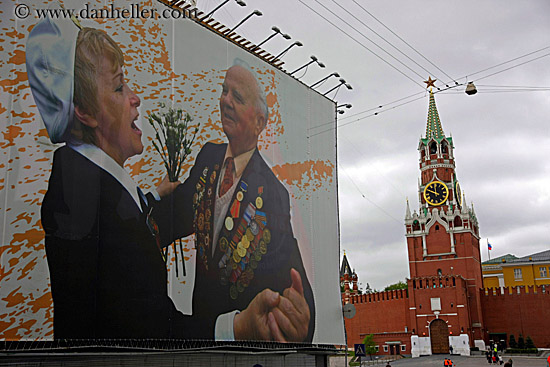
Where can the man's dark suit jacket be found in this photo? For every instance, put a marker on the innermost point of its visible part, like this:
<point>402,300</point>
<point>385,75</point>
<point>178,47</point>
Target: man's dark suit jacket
<point>108,277</point>
<point>223,284</point>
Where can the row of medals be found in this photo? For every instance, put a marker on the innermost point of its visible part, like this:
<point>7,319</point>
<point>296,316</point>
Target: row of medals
<point>249,243</point>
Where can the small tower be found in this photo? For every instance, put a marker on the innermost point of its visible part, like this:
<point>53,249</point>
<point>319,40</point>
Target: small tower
<point>347,275</point>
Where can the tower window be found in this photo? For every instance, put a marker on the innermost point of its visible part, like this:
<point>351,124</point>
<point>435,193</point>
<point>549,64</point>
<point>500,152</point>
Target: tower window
<point>437,227</point>
<point>433,148</point>
<point>439,272</point>
<point>444,148</point>
<point>458,221</point>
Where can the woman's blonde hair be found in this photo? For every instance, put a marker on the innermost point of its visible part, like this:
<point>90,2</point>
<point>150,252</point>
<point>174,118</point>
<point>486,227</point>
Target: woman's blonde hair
<point>91,46</point>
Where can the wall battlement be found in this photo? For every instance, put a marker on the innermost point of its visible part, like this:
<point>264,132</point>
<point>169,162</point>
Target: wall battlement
<point>516,291</point>
<point>384,296</point>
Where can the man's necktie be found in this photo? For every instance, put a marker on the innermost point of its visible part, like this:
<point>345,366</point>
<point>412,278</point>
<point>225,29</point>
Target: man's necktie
<point>227,181</point>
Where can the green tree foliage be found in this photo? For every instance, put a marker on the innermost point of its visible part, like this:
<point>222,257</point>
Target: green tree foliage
<point>368,289</point>
<point>521,342</point>
<point>370,347</point>
<point>398,285</point>
<point>529,343</point>
<point>513,343</point>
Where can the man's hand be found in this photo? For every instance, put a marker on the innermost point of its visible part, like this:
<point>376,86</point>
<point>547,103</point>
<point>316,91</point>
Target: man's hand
<point>166,187</point>
<point>253,322</point>
<point>289,321</point>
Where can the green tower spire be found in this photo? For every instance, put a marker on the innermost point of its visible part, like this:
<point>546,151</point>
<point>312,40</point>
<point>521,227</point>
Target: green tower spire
<point>433,127</point>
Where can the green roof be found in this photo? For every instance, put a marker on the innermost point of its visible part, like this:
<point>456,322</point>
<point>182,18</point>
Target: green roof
<point>498,260</point>
<point>433,127</point>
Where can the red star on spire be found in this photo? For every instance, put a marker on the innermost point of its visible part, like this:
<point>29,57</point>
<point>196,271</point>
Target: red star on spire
<point>430,82</point>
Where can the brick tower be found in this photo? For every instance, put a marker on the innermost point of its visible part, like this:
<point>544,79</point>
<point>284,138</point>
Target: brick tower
<point>443,248</point>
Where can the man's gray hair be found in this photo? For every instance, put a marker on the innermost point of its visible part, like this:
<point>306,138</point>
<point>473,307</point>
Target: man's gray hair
<point>261,102</point>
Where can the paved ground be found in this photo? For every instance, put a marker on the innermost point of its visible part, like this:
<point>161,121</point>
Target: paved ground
<point>459,361</point>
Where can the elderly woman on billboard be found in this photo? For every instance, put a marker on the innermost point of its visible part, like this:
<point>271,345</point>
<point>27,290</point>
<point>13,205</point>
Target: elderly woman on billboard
<point>108,275</point>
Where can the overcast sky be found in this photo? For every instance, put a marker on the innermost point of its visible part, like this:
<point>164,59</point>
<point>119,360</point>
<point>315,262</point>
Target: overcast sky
<point>501,135</point>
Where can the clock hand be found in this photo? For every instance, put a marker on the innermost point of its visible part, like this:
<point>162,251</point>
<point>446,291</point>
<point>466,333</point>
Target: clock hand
<point>433,192</point>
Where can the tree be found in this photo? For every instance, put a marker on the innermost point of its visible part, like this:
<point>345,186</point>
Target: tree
<point>368,289</point>
<point>370,347</point>
<point>513,343</point>
<point>521,342</point>
<point>398,285</point>
<point>529,343</point>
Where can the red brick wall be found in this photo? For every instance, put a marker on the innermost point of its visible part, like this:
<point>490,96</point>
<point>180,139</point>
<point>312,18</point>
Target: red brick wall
<point>512,313</point>
<point>377,313</point>
<point>438,241</point>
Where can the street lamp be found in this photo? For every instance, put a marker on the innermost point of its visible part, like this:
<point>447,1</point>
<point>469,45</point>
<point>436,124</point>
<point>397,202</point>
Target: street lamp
<point>240,2</point>
<point>347,105</point>
<point>277,31</point>
<point>325,78</point>
<point>255,12</point>
<point>313,59</point>
<point>342,82</point>
<point>296,43</point>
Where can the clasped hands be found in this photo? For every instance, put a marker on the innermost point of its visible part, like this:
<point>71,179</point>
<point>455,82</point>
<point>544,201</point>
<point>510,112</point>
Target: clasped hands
<point>271,316</point>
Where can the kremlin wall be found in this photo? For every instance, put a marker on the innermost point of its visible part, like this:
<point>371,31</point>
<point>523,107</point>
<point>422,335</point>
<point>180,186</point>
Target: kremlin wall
<point>391,318</point>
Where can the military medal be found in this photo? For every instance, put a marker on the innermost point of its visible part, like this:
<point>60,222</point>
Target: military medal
<point>259,200</point>
<point>263,247</point>
<point>246,242</point>
<point>235,208</point>
<point>254,228</point>
<point>241,251</point>
<point>233,292</point>
<point>240,196</point>
<point>200,222</point>
<point>223,244</point>
<point>249,212</point>
<point>240,287</point>
<point>229,223</point>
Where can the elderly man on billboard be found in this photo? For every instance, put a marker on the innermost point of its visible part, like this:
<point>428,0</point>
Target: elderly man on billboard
<point>240,211</point>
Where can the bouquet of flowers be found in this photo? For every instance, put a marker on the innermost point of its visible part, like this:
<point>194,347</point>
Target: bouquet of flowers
<point>173,138</point>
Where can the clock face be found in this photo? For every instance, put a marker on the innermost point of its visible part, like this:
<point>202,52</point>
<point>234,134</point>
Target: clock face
<point>436,193</point>
<point>458,194</point>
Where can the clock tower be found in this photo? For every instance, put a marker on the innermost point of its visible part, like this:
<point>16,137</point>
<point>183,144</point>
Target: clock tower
<point>443,244</point>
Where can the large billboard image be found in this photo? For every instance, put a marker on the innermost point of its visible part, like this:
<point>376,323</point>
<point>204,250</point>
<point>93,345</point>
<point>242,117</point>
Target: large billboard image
<point>158,182</point>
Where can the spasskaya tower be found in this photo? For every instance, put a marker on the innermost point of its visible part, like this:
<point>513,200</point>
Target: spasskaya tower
<point>443,248</point>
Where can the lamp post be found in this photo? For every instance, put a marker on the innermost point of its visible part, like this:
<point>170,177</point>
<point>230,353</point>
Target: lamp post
<point>325,78</point>
<point>255,12</point>
<point>313,59</point>
<point>346,105</point>
<point>342,82</point>
<point>296,43</point>
<point>240,2</point>
<point>277,31</point>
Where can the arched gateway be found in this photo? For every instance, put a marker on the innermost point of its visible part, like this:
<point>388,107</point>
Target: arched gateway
<point>439,336</point>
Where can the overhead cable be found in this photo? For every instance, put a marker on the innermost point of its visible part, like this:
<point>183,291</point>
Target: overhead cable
<point>361,44</point>
<point>388,42</point>
<point>405,42</point>
<point>364,36</point>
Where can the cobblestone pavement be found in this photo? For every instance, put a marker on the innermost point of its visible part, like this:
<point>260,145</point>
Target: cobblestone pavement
<point>458,361</point>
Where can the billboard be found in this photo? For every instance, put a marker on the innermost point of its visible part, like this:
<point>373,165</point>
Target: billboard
<point>247,255</point>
